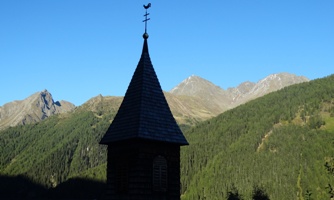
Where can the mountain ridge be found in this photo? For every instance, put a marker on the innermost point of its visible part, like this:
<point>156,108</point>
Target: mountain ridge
<point>234,96</point>
<point>34,108</point>
<point>195,99</point>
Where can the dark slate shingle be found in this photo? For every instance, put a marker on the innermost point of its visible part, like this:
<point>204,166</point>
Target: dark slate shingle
<point>144,112</point>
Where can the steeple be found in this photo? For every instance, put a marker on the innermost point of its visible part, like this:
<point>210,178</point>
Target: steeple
<point>143,140</point>
<point>144,112</point>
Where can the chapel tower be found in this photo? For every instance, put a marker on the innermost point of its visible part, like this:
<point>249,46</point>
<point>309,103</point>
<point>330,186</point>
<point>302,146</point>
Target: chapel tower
<point>144,140</point>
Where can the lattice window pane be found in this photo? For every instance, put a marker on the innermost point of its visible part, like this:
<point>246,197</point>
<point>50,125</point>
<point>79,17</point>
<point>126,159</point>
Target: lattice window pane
<point>160,174</point>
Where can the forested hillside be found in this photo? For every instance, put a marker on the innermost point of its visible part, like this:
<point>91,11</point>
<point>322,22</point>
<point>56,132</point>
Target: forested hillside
<point>52,151</point>
<point>279,143</point>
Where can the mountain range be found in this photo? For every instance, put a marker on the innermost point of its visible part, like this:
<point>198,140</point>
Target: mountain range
<point>232,97</point>
<point>279,143</point>
<point>193,100</point>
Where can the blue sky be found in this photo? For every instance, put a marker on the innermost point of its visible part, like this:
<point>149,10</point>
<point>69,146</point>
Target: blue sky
<point>78,49</point>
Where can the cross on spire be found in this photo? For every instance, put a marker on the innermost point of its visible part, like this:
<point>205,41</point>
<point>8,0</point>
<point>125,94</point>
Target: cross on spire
<point>146,19</point>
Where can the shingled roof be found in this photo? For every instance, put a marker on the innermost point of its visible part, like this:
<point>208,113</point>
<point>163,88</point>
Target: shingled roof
<point>144,112</point>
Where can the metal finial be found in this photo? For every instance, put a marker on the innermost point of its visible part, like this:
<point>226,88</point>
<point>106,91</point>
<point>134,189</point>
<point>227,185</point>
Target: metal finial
<point>146,19</point>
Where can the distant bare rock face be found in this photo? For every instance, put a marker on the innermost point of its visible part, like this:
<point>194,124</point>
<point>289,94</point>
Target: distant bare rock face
<point>238,92</point>
<point>219,100</point>
<point>211,95</point>
<point>32,109</point>
<point>189,110</point>
<point>267,85</point>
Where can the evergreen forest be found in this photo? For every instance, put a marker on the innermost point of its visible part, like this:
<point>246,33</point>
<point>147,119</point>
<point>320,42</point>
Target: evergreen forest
<point>279,146</point>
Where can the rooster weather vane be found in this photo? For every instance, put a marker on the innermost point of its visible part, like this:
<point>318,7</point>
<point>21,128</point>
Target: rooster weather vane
<point>146,19</point>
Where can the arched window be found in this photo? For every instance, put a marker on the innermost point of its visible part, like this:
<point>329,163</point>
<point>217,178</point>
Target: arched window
<point>160,174</point>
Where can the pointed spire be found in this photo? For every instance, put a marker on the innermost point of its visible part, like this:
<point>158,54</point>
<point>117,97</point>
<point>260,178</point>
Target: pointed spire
<point>144,112</point>
<point>145,46</point>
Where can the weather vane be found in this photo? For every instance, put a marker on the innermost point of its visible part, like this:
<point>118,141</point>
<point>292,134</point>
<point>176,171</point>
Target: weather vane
<point>146,14</point>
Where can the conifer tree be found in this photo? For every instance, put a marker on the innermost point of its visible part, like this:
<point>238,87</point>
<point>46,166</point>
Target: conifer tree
<point>234,194</point>
<point>330,168</point>
<point>259,194</point>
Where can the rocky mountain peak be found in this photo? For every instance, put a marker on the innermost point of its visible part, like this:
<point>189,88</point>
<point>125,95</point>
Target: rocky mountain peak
<point>45,100</point>
<point>268,84</point>
<point>221,99</point>
<point>278,81</point>
<point>195,85</point>
<point>211,94</point>
<point>32,109</point>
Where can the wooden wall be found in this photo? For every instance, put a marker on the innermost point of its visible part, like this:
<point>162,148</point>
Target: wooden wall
<point>130,170</point>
